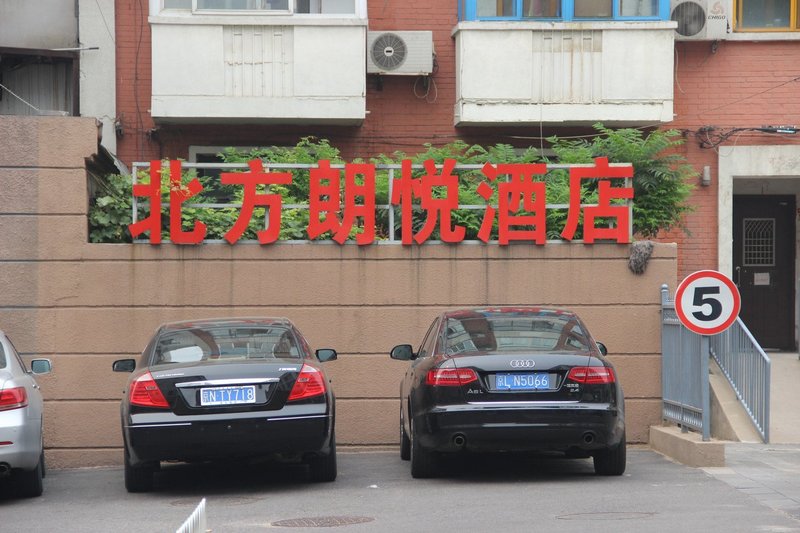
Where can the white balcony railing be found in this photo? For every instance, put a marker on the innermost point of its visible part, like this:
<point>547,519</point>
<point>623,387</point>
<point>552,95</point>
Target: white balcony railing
<point>618,73</point>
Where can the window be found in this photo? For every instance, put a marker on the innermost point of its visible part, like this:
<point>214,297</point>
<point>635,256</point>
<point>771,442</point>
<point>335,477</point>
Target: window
<point>429,341</point>
<point>759,242</point>
<point>242,5</point>
<point>587,9</point>
<point>226,343</point>
<point>473,333</point>
<point>324,7</point>
<point>767,15</point>
<point>564,10</point>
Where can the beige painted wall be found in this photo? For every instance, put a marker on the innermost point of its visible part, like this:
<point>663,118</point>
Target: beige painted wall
<point>84,305</point>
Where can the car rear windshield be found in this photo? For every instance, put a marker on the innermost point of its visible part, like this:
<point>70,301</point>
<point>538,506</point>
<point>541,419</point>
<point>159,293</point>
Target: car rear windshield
<point>519,333</point>
<point>220,344</point>
<point>2,357</point>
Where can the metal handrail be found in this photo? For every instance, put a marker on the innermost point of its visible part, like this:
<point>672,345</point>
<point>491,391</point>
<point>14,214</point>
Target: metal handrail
<point>748,370</point>
<point>684,372</point>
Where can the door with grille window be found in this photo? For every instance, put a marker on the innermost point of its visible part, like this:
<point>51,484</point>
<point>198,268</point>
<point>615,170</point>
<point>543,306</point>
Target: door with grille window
<point>763,266</point>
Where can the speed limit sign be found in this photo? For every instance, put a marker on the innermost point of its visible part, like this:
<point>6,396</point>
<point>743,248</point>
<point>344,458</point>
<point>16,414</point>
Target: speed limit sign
<point>707,302</point>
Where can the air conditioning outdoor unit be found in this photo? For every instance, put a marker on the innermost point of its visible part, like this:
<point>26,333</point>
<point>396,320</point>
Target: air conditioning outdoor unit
<point>701,20</point>
<point>400,52</point>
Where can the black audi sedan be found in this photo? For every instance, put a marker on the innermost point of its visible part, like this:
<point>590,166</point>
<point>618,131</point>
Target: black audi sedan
<point>510,379</point>
<point>230,388</point>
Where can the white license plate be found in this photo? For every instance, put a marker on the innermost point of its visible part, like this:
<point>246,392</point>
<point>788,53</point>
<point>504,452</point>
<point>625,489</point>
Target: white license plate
<point>228,395</point>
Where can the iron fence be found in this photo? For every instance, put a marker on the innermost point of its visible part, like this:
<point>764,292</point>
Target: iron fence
<point>684,376</point>
<point>196,522</point>
<point>684,372</point>
<point>748,369</point>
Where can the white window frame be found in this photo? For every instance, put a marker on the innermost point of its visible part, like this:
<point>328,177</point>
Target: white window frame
<point>157,7</point>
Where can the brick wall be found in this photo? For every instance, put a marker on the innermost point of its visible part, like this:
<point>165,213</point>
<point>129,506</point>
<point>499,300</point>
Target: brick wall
<point>740,85</point>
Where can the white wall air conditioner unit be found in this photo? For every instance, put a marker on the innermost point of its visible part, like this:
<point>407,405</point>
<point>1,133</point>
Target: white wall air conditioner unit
<point>701,20</point>
<point>400,52</point>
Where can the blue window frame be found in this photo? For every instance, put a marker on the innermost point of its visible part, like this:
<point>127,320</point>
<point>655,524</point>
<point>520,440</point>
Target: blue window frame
<point>563,10</point>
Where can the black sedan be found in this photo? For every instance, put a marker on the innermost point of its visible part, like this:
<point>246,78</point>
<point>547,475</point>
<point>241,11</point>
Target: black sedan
<point>510,379</point>
<point>233,388</point>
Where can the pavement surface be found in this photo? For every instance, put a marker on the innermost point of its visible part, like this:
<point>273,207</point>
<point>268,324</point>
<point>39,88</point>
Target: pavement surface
<point>757,491</point>
<point>770,473</point>
<point>375,492</point>
<point>784,424</point>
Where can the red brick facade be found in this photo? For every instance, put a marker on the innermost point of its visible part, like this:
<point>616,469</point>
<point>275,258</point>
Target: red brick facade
<point>736,84</point>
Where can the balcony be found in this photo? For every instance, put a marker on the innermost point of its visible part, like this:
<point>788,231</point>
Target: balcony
<point>264,68</point>
<point>523,72</point>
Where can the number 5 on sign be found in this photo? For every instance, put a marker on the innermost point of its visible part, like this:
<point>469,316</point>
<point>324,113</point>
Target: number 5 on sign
<point>707,302</point>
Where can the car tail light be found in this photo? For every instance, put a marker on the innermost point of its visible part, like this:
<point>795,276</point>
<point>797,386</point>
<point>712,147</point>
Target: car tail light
<point>309,383</point>
<point>450,377</point>
<point>145,392</point>
<point>592,375</point>
<point>13,398</point>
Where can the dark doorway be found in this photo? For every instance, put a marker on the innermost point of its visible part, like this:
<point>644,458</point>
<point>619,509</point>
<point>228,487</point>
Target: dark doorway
<point>763,266</point>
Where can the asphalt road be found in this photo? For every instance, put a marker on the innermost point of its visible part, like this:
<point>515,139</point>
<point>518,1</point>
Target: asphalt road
<point>375,492</point>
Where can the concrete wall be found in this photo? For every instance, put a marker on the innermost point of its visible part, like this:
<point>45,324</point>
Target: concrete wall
<point>41,24</point>
<point>98,88</point>
<point>84,305</point>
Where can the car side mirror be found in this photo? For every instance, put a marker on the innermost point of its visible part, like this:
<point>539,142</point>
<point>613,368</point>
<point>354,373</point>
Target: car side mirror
<point>602,348</point>
<point>402,352</point>
<point>326,354</point>
<point>124,365</point>
<point>41,366</point>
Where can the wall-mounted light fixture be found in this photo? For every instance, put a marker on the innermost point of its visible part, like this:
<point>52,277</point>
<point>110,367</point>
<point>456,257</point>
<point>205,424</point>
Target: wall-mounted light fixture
<point>705,177</point>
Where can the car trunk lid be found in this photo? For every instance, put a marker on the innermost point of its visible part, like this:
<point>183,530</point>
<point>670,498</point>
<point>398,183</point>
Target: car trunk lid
<point>522,376</point>
<point>227,386</point>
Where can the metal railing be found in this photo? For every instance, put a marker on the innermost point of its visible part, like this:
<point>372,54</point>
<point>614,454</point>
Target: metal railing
<point>748,369</point>
<point>684,371</point>
<point>196,522</point>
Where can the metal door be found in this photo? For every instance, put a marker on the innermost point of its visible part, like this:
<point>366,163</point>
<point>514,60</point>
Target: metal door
<point>763,266</point>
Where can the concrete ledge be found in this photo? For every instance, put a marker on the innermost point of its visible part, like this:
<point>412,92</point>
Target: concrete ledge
<point>686,448</point>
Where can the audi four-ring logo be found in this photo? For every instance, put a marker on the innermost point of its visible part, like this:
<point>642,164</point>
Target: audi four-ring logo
<point>522,363</point>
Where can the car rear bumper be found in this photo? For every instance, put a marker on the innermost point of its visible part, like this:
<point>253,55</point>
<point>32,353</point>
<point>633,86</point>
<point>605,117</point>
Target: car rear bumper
<point>20,439</point>
<point>522,426</point>
<point>231,438</point>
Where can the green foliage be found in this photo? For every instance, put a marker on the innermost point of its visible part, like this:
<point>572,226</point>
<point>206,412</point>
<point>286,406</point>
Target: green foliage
<point>110,212</point>
<point>660,185</point>
<point>661,181</point>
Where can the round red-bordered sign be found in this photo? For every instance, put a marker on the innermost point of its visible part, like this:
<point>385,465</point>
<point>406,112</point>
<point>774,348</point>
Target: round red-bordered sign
<point>707,302</point>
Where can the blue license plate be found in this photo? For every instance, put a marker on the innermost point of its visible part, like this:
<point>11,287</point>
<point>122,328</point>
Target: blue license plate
<point>509,381</point>
<point>228,395</point>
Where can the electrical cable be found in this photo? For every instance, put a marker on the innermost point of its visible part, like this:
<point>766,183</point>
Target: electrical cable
<point>21,99</point>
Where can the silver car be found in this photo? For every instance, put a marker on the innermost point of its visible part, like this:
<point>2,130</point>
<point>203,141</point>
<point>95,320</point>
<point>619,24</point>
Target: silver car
<point>21,448</point>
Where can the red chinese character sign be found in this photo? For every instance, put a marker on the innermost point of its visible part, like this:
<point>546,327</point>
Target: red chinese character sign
<point>438,196</point>
<point>707,302</point>
<point>324,202</point>
<point>620,232</point>
<point>520,188</point>
<point>342,203</point>
<point>250,181</point>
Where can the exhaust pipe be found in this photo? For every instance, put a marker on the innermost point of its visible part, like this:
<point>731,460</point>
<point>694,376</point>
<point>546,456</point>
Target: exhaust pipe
<point>459,440</point>
<point>5,470</point>
<point>588,437</point>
